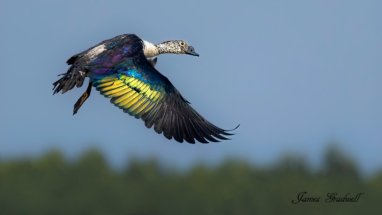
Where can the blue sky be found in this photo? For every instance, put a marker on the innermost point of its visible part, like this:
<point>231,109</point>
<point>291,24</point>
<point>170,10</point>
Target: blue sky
<point>294,74</point>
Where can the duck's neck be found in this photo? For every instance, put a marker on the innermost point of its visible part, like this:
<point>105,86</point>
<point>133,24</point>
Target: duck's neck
<point>151,50</point>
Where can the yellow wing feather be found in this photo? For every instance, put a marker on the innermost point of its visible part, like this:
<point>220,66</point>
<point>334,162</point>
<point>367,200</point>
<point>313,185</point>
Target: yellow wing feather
<point>115,85</point>
<point>117,92</point>
<point>129,93</point>
<point>140,106</point>
<point>130,101</point>
<point>125,97</point>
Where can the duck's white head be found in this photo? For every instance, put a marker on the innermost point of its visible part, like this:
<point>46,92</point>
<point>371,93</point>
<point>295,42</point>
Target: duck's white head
<point>168,47</point>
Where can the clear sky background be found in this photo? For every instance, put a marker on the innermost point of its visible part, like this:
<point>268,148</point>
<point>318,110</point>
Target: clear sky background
<point>295,74</point>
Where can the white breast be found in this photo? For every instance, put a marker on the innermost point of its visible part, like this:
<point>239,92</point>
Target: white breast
<point>149,49</point>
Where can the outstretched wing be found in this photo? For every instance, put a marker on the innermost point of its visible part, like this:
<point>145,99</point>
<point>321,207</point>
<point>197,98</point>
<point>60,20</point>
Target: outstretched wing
<point>136,87</point>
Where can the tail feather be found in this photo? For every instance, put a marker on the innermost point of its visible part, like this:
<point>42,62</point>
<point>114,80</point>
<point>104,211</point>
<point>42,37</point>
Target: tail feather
<point>69,80</point>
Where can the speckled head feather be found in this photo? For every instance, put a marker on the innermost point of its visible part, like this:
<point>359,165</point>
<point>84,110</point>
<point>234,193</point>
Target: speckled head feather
<point>168,47</point>
<point>176,47</point>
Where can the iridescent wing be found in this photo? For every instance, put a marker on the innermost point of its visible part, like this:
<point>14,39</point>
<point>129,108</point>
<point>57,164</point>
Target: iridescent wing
<point>136,87</point>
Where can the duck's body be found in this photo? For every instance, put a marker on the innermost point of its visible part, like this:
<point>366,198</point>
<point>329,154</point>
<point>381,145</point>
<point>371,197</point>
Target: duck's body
<point>122,68</point>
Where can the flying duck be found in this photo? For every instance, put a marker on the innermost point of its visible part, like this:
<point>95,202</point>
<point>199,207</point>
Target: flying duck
<point>123,69</point>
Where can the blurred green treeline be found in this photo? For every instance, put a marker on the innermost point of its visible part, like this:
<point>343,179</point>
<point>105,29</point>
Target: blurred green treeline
<point>53,185</point>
